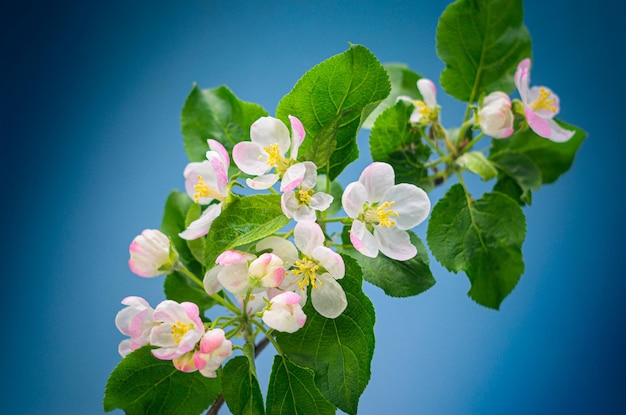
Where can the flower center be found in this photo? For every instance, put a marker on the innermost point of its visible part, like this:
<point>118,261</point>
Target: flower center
<point>306,270</point>
<point>428,114</point>
<point>179,330</point>
<point>381,215</point>
<point>544,101</point>
<point>203,190</point>
<point>273,155</point>
<point>304,196</point>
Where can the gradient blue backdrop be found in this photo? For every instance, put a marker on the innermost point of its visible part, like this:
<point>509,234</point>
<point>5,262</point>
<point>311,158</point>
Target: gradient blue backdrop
<point>91,147</point>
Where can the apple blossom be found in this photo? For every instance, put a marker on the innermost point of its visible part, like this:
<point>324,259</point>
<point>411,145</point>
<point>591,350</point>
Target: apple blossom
<point>269,142</point>
<point>214,349</point>
<point>302,202</point>
<point>179,332</point>
<point>426,111</point>
<point>136,321</point>
<point>205,182</point>
<point>151,254</point>
<point>284,313</point>
<point>495,117</point>
<point>389,210</point>
<point>540,106</point>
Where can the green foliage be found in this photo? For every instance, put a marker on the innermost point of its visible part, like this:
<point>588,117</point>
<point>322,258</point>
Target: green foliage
<point>351,83</point>
<point>477,163</point>
<point>217,114</point>
<point>403,82</point>
<point>481,42</point>
<point>241,388</point>
<point>338,350</point>
<point>243,221</point>
<point>292,391</point>
<point>179,288</point>
<point>142,384</point>
<point>397,278</point>
<point>393,140</point>
<point>481,237</point>
<point>552,159</point>
<point>174,221</point>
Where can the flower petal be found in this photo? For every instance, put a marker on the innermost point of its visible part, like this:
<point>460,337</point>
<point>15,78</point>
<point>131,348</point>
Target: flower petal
<point>202,225</point>
<point>279,246</point>
<point>221,150</point>
<point>292,177</point>
<point>212,285</point>
<point>329,299</point>
<point>410,202</point>
<point>308,235</point>
<point>559,134</point>
<point>522,79</point>
<point>429,92</point>
<point>394,243</point>
<point>250,158</point>
<point>297,136</point>
<point>539,125</point>
<point>321,201</point>
<point>362,240</point>
<point>262,182</point>
<point>269,130</point>
<point>377,178</point>
<point>234,278</point>
<point>331,261</point>
<point>353,199</point>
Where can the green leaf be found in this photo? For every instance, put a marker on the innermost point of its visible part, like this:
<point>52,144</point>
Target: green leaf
<point>552,159</point>
<point>179,288</point>
<point>243,221</point>
<point>394,141</point>
<point>142,384</point>
<point>476,162</point>
<point>241,388</point>
<point>292,391</point>
<point>354,81</point>
<point>322,148</point>
<point>397,278</point>
<point>481,42</point>
<point>403,82</point>
<point>339,350</point>
<point>482,237</point>
<point>522,171</point>
<point>509,187</point>
<point>218,114</point>
<point>174,217</point>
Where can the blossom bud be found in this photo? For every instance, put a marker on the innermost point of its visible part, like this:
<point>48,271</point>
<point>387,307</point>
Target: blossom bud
<point>151,254</point>
<point>495,117</point>
<point>285,313</point>
<point>214,349</point>
<point>135,321</point>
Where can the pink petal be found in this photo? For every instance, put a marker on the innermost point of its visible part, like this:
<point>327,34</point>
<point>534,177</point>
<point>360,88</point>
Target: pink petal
<point>293,177</point>
<point>539,125</point>
<point>250,158</point>
<point>219,148</point>
<point>298,134</point>
<point>362,240</point>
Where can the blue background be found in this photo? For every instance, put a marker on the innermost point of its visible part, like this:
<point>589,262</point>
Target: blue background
<point>91,147</point>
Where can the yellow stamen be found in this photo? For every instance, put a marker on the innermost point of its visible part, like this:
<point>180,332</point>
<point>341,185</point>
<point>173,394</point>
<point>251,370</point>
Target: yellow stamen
<point>273,154</point>
<point>422,108</point>
<point>544,101</point>
<point>202,190</point>
<point>307,272</point>
<point>179,330</point>
<point>384,213</point>
<point>304,196</point>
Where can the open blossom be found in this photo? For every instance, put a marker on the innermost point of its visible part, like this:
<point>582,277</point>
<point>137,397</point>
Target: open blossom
<point>318,267</point>
<point>302,202</point>
<point>179,331</point>
<point>426,111</point>
<point>214,349</point>
<point>285,313</point>
<point>151,254</point>
<point>205,182</point>
<point>135,321</point>
<point>495,117</point>
<point>540,106</point>
<point>269,142</point>
<point>383,212</point>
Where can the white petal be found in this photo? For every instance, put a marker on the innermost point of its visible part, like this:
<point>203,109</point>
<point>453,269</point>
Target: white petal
<point>362,240</point>
<point>211,284</point>
<point>297,136</point>
<point>262,182</point>
<point>394,243</point>
<point>250,158</point>
<point>292,177</point>
<point>377,178</point>
<point>279,246</point>
<point>428,91</point>
<point>329,299</point>
<point>269,130</point>
<point>321,201</point>
<point>353,199</point>
<point>234,278</point>
<point>331,261</point>
<point>308,235</point>
<point>559,134</point>
<point>522,79</point>
<point>219,148</point>
<point>410,202</point>
<point>304,213</point>
<point>310,175</point>
<point>202,225</point>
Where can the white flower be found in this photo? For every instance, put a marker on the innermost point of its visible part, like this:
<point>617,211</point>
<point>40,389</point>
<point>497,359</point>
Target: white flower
<point>540,106</point>
<point>214,349</point>
<point>269,141</point>
<point>285,313</point>
<point>151,254</point>
<point>426,111</point>
<point>136,321</point>
<point>495,117</point>
<point>205,182</point>
<point>301,203</point>
<point>179,332</point>
<point>377,204</point>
